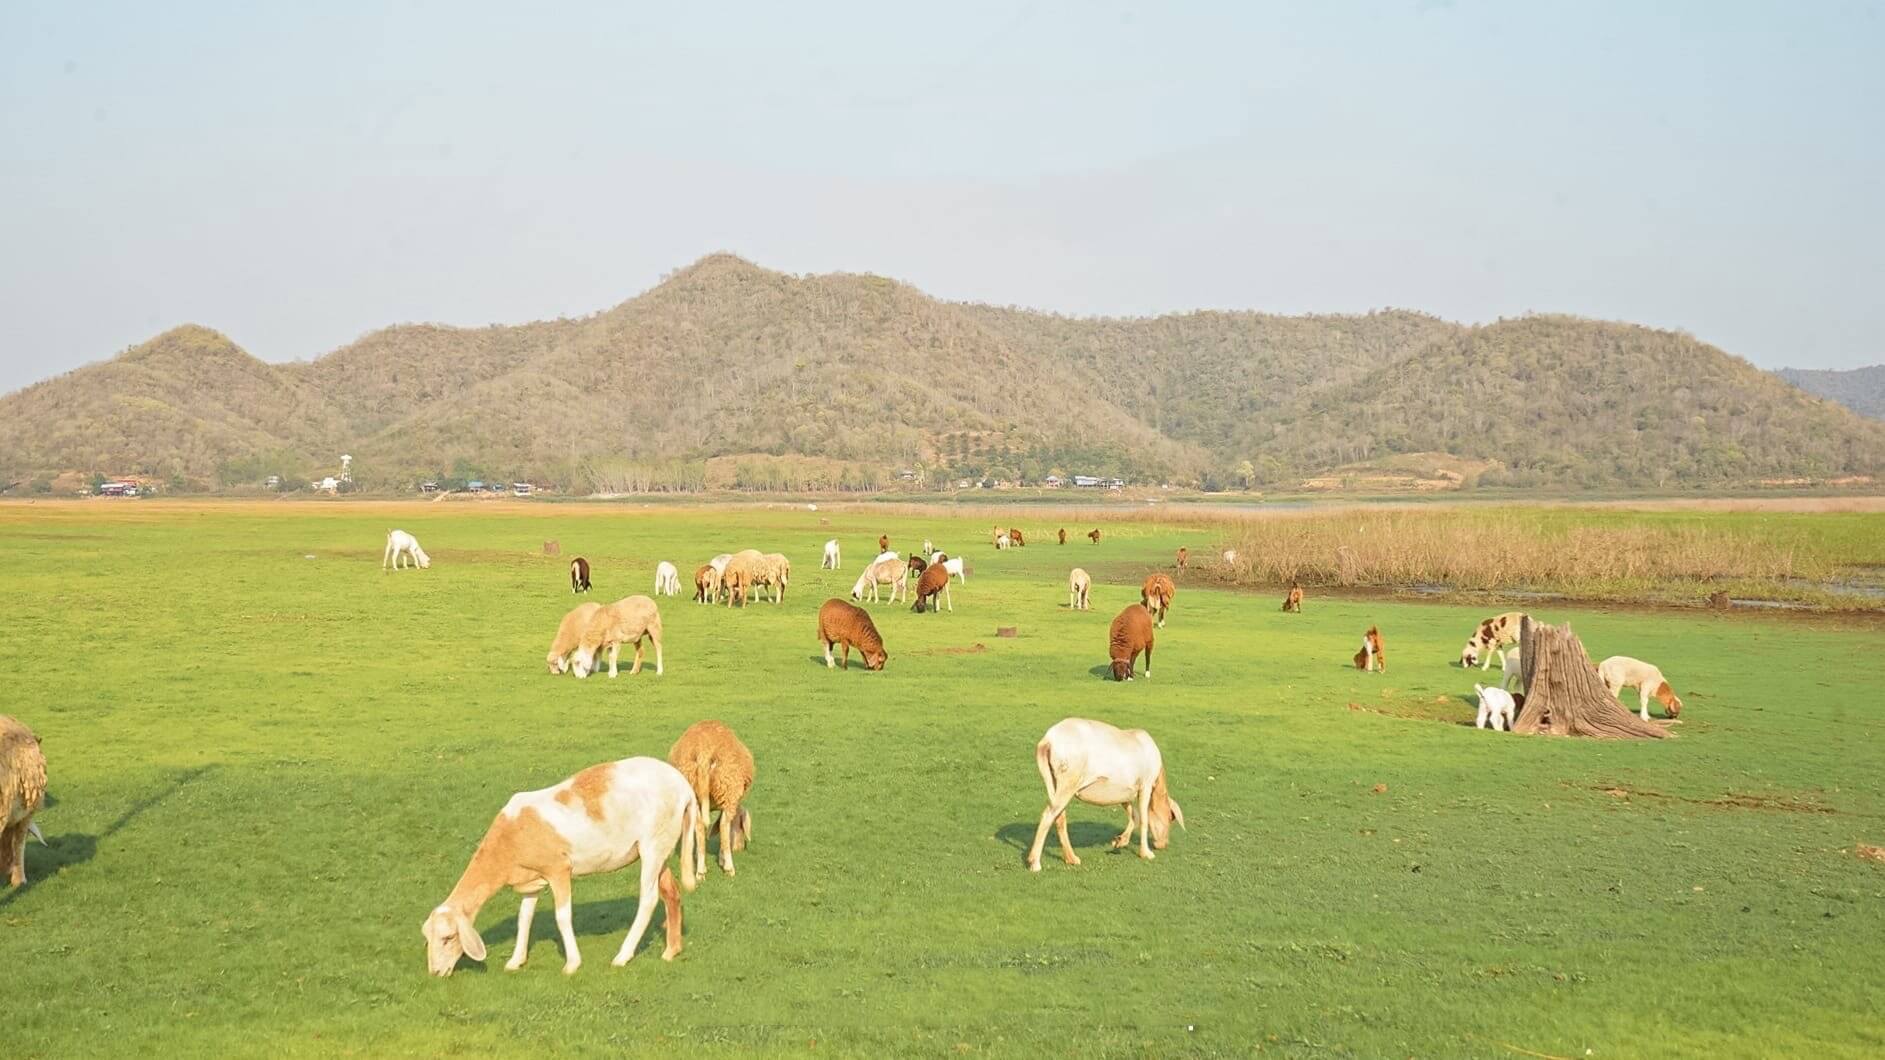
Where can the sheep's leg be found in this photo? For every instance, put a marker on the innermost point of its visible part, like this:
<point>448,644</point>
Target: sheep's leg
<point>1066,845</point>
<point>1642,698</point>
<point>949,597</point>
<point>830,664</point>
<point>1145,820</point>
<point>1125,837</point>
<point>1055,807</point>
<point>615,650</point>
<point>565,922</point>
<point>700,846</point>
<point>846,649</point>
<point>727,814</point>
<point>645,912</point>
<point>655,638</point>
<point>1148,659</point>
<point>525,911</point>
<point>635,667</point>
<point>670,913</point>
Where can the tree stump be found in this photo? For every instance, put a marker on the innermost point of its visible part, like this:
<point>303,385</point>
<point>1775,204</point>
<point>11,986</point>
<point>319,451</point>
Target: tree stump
<point>1563,694</point>
<point>552,548</point>
<point>1007,631</point>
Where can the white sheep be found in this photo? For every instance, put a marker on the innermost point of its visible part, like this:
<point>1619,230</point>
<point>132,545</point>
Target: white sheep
<point>1079,590</point>
<point>1620,672</point>
<point>667,579</point>
<point>596,821</point>
<point>401,545</point>
<point>953,564</point>
<point>1512,668</point>
<point>1497,708</point>
<point>830,562</point>
<point>1105,766</point>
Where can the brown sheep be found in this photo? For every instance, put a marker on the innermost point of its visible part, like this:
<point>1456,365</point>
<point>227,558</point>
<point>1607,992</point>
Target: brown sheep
<point>1015,538</point>
<point>706,584</point>
<point>1293,602</point>
<point>1156,596</point>
<point>628,620</point>
<point>1063,535</point>
<point>1370,657</point>
<point>1130,634</point>
<point>579,575</point>
<point>917,563</point>
<point>848,625</point>
<point>935,580</point>
<point>1094,534</point>
<point>1184,557</point>
<point>22,793</point>
<point>569,633</point>
<point>720,770</point>
<point>883,543</point>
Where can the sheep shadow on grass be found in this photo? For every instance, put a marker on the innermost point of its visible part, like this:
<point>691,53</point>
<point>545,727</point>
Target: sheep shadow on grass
<point>44,863</point>
<point>857,663</point>
<point>1020,835</point>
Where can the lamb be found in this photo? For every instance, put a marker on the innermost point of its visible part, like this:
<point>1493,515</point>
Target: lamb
<point>22,793</point>
<point>1293,602</point>
<point>401,545</point>
<point>1370,656</point>
<point>1015,539</point>
<point>1184,557</point>
<point>850,626</point>
<point>569,633</point>
<point>1104,766</point>
<point>1512,670</point>
<point>1492,635</point>
<point>830,562</point>
<point>1131,633</point>
<point>579,575</point>
<point>596,821</point>
<point>667,579</point>
<point>929,548</point>
<point>1094,534</point>
<point>1496,707</point>
<point>1620,672</point>
<point>741,573</point>
<point>1079,590</point>
<point>720,770</point>
<point>884,571</point>
<point>773,571</point>
<point>1002,540</point>
<point>1156,596</point>
<point>625,621</point>
<point>706,584</point>
<point>883,542</point>
<point>935,580</point>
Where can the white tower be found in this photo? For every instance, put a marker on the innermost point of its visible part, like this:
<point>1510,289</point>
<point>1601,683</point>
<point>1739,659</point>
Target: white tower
<point>346,468</point>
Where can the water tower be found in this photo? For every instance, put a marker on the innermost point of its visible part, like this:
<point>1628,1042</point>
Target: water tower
<point>346,468</point>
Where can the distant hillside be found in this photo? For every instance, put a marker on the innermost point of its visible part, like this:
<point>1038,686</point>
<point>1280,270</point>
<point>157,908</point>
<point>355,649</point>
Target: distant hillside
<point>841,380</point>
<point>1860,389</point>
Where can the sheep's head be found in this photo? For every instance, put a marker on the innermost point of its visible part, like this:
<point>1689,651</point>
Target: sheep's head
<point>425,561</point>
<point>1164,810</point>
<point>584,662</point>
<point>874,658</point>
<point>1122,669</point>
<point>1469,656</point>
<point>449,935</point>
<point>557,663</point>
<point>1671,702</point>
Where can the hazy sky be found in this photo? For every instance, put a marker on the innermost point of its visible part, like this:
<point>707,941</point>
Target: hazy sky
<point>298,174</point>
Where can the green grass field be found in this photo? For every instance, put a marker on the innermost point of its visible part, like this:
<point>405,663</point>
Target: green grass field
<point>267,768</point>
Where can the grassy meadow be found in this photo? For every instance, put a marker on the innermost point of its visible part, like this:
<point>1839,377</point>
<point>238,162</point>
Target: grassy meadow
<point>269,760</point>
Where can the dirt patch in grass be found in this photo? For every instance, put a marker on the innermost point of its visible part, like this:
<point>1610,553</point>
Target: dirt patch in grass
<point>1448,709</point>
<point>972,649</point>
<point>1868,852</point>
<point>1730,801</point>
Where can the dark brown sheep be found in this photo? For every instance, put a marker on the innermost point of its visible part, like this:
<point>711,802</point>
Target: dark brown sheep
<point>1293,602</point>
<point>844,624</point>
<point>1015,538</point>
<point>579,575</point>
<point>1131,634</point>
<point>1063,535</point>
<point>935,580</point>
<point>1094,534</point>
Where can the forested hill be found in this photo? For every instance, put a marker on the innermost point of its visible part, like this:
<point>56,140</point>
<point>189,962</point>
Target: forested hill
<point>727,373</point>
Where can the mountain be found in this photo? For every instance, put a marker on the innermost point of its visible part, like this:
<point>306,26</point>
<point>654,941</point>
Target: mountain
<point>840,380</point>
<point>1860,389</point>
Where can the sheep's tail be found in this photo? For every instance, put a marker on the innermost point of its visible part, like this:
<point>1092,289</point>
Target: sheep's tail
<point>1044,758</point>
<point>690,823</point>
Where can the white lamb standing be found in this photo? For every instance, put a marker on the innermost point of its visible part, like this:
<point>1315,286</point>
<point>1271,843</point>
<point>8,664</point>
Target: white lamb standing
<point>667,579</point>
<point>830,562</point>
<point>1497,709</point>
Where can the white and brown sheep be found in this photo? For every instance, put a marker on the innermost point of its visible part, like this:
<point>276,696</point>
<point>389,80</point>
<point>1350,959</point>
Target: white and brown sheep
<point>1103,765</point>
<point>579,575</point>
<point>401,546</point>
<point>599,820</point>
<point>831,560</point>
<point>706,584</point>
<point>1156,596</point>
<point>848,626</point>
<point>1620,672</point>
<point>1079,590</point>
<point>627,621</point>
<point>1292,601</point>
<point>1371,657</point>
<point>1130,634</point>
<point>667,579</point>
<point>934,582</point>
<point>22,793</point>
<point>569,633</point>
<point>1492,635</point>
<point>720,770</point>
<point>889,572</point>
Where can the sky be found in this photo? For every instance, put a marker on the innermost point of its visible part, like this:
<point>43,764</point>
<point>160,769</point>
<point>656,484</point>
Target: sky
<point>297,175</point>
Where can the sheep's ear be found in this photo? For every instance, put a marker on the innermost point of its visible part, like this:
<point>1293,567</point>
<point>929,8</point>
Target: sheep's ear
<point>1177,814</point>
<point>469,939</point>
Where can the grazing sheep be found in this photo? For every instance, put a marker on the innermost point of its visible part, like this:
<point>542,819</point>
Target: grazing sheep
<point>1370,656</point>
<point>1094,534</point>
<point>1620,672</point>
<point>401,545</point>
<point>1015,539</point>
<point>1002,540</point>
<point>667,579</point>
<point>883,572</point>
<point>1063,535</point>
<point>850,626</point>
<point>626,621</point>
<point>934,580</point>
<point>1104,766</point>
<point>1496,708</point>
<point>579,575</point>
<point>830,562</point>
<point>22,793</point>
<point>883,542</point>
<point>569,633</point>
<point>1079,590</point>
<point>1512,670</point>
<point>720,770</point>
<point>741,574</point>
<point>1293,601</point>
<point>719,563</point>
<point>1229,556</point>
<point>929,547</point>
<point>1130,634</point>
<point>1184,557</point>
<point>917,564</point>
<point>596,821</point>
<point>1156,596</point>
<point>1492,635</point>
<point>773,572</point>
<point>706,584</point>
